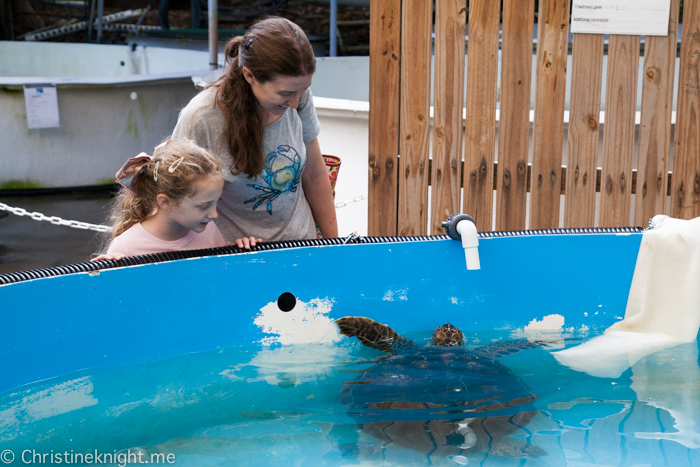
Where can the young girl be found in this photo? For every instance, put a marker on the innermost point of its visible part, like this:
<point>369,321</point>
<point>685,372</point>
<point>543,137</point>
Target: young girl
<point>168,202</point>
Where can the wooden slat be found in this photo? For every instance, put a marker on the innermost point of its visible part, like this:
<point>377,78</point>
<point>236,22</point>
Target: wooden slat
<point>416,42</point>
<point>516,71</point>
<point>584,129</point>
<point>618,137</point>
<point>655,124</point>
<point>480,123</point>
<point>685,189</point>
<point>385,26</point>
<point>448,94</point>
<point>550,100</point>
<point>564,179</point>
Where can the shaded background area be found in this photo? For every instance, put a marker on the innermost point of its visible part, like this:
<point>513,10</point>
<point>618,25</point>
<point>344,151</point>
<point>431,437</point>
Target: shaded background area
<point>24,16</point>
<point>27,244</point>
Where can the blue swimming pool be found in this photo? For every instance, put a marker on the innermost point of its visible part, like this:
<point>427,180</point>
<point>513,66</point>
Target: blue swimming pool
<point>195,358</point>
<point>284,405</point>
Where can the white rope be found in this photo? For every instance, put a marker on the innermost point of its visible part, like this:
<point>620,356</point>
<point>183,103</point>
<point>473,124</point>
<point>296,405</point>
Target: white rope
<point>37,216</point>
<point>342,204</point>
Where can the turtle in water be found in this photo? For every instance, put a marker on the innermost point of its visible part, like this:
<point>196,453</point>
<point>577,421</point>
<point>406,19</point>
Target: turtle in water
<point>441,399</point>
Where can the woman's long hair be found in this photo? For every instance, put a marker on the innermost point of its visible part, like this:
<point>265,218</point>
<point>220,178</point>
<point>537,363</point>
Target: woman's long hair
<point>271,48</point>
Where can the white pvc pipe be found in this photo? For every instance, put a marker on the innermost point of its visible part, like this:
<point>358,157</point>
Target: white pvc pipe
<point>470,243</point>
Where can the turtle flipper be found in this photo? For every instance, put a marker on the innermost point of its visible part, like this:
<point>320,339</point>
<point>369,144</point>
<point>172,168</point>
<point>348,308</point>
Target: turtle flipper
<point>502,349</point>
<point>371,333</point>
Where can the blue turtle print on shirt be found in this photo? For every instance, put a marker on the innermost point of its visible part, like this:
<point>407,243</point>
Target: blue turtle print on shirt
<point>282,172</point>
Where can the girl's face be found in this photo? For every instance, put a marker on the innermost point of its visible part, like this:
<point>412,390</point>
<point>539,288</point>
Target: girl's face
<point>277,95</point>
<point>197,210</point>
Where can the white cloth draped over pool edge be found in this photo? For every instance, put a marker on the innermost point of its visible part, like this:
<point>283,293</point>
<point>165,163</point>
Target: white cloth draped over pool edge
<point>663,311</point>
<point>665,292</point>
<point>663,308</point>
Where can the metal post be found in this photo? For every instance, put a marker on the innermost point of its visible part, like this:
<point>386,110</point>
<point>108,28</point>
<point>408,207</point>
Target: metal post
<point>5,20</point>
<point>213,7</point>
<point>333,47</point>
<point>100,14</point>
<point>91,20</point>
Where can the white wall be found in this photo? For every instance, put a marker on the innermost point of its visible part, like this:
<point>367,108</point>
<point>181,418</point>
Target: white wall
<point>345,134</point>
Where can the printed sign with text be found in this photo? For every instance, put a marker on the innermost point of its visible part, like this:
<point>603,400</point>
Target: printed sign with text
<point>628,17</point>
<point>41,104</point>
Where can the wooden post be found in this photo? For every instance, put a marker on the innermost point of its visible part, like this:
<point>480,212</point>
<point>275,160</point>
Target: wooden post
<point>480,123</point>
<point>448,95</point>
<point>584,130</point>
<point>655,124</point>
<point>385,27</point>
<point>416,42</point>
<point>618,137</point>
<point>550,100</point>
<point>685,185</point>
<point>513,142</point>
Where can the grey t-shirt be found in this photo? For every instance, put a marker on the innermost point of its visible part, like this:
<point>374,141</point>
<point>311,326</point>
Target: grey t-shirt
<point>271,206</point>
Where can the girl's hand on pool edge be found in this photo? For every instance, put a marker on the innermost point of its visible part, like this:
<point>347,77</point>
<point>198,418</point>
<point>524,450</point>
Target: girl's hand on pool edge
<point>247,242</point>
<point>111,256</point>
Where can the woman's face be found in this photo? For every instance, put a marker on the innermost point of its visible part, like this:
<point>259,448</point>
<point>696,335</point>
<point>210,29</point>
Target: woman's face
<point>277,95</point>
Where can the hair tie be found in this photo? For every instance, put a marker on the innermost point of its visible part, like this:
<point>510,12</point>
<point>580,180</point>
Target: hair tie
<point>247,43</point>
<point>128,175</point>
<point>155,172</point>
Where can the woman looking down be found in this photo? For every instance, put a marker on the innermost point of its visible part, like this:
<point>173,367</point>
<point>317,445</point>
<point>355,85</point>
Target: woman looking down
<point>259,119</point>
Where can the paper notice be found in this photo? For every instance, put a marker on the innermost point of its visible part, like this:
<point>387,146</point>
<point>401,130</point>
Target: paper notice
<point>626,17</point>
<point>42,106</point>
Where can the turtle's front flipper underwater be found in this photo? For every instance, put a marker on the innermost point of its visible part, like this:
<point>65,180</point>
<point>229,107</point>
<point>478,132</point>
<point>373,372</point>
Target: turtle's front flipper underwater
<point>371,333</point>
<point>502,349</point>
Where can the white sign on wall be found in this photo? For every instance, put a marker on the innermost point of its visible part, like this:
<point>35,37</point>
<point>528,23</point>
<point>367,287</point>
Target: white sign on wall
<point>41,104</point>
<point>628,17</point>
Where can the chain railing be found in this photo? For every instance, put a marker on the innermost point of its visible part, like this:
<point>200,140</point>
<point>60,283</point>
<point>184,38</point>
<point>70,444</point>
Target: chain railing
<point>37,216</point>
<point>342,204</point>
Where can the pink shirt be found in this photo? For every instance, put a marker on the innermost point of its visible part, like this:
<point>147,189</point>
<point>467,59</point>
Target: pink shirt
<point>138,241</point>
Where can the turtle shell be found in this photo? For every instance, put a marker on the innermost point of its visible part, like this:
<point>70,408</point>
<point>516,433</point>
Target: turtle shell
<point>442,399</point>
<point>434,383</point>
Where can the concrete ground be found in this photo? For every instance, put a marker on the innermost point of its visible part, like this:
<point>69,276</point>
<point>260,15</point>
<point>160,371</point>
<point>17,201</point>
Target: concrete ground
<point>27,244</point>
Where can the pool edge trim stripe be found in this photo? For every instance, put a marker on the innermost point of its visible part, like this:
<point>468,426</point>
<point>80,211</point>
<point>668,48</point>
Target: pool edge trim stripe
<point>96,266</point>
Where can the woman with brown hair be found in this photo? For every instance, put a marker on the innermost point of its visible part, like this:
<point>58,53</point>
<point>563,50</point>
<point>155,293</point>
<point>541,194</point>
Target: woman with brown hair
<point>259,119</point>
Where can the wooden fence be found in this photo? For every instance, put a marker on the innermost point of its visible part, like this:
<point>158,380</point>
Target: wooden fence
<point>464,149</point>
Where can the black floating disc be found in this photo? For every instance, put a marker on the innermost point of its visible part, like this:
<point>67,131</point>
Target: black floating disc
<point>287,301</point>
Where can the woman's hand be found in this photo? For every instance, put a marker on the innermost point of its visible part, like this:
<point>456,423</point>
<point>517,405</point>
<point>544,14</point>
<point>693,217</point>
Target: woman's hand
<point>247,242</point>
<point>111,256</point>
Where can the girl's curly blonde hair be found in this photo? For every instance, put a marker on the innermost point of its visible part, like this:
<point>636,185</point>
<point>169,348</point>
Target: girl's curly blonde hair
<point>173,170</point>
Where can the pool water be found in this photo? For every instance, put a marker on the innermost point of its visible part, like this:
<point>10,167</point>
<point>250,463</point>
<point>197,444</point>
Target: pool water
<point>345,404</point>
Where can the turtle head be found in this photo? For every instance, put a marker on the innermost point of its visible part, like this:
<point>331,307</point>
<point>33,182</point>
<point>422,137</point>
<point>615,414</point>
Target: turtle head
<point>447,336</point>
